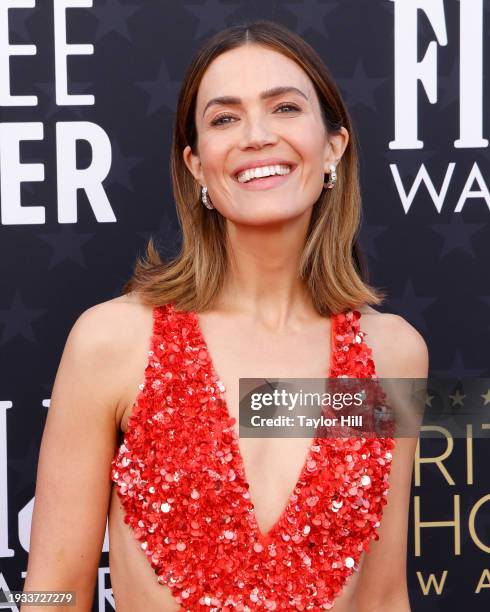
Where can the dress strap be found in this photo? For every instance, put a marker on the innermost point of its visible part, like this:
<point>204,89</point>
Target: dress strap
<point>353,357</point>
<point>151,381</point>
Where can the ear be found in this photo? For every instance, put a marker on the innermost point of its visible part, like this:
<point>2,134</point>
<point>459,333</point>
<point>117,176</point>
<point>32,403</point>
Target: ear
<point>193,163</point>
<point>335,147</point>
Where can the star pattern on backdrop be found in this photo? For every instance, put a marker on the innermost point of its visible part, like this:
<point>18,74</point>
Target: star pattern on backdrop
<point>163,91</point>
<point>359,88</point>
<point>457,399</point>
<point>259,9</point>
<point>211,16</point>
<point>66,245</point>
<point>423,25</point>
<point>47,91</point>
<point>486,397</point>
<point>311,15</point>
<point>17,320</point>
<point>48,94</point>
<point>412,307</point>
<point>121,167</point>
<point>457,234</point>
<point>369,234</point>
<point>54,270</point>
<point>18,19</point>
<point>457,369</point>
<point>409,163</point>
<point>113,16</point>
<point>168,234</point>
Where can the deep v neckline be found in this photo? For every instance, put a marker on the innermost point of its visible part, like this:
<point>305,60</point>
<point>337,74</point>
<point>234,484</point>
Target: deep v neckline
<point>263,537</point>
<point>184,494</point>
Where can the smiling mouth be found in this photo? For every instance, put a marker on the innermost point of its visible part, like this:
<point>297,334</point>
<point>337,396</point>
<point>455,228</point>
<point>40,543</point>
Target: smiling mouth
<point>280,170</point>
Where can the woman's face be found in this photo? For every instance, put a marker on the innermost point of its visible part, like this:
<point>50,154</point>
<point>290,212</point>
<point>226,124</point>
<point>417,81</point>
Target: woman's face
<point>255,130</point>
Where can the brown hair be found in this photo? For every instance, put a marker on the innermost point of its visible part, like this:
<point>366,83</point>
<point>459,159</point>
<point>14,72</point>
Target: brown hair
<point>332,264</point>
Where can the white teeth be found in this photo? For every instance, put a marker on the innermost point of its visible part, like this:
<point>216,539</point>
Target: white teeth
<point>252,173</point>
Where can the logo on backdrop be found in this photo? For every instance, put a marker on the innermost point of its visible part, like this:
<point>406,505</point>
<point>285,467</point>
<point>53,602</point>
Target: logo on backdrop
<point>68,133</point>
<point>409,71</point>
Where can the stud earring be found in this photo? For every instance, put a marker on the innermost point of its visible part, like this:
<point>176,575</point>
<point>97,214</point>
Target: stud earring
<point>330,184</point>
<point>206,200</point>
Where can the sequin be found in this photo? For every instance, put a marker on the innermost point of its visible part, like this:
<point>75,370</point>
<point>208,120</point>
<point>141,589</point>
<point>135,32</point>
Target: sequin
<point>365,480</point>
<point>180,478</point>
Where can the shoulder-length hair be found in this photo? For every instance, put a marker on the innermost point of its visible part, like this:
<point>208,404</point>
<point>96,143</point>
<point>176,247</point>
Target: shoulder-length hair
<point>332,265</point>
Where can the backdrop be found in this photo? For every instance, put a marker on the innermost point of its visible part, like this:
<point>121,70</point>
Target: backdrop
<point>87,98</point>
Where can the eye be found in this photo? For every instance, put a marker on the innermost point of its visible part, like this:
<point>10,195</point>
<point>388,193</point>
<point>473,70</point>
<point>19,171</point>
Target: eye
<point>293,106</point>
<point>219,120</point>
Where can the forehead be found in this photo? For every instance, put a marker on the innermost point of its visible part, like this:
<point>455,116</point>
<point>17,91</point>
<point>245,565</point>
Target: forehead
<point>248,70</point>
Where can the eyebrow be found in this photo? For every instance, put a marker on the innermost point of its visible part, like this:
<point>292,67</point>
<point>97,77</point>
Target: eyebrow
<point>264,95</point>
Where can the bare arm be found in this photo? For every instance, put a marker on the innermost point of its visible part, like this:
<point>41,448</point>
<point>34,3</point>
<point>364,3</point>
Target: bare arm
<point>382,579</point>
<point>73,477</point>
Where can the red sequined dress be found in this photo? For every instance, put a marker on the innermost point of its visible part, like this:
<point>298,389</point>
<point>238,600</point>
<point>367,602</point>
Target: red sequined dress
<point>180,478</point>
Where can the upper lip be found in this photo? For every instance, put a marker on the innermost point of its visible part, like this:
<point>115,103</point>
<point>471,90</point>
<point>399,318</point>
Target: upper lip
<point>259,163</point>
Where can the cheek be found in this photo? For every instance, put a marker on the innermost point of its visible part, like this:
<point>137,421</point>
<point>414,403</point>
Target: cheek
<point>213,154</point>
<point>310,149</point>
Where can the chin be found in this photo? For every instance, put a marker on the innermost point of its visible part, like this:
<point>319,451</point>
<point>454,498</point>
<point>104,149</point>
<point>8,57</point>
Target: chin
<point>267,216</point>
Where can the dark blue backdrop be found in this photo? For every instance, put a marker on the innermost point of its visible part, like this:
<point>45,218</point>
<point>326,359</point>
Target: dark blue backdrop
<point>424,170</point>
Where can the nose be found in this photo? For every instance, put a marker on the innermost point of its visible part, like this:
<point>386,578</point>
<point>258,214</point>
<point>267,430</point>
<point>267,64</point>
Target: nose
<point>257,134</point>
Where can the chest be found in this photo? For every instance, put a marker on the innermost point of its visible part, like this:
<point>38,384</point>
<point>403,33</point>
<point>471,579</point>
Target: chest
<point>197,505</point>
<point>241,350</point>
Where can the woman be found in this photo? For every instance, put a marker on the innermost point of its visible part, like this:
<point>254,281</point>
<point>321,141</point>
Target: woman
<point>269,282</point>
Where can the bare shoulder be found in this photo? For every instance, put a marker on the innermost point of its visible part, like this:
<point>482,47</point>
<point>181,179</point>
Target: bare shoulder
<point>115,333</point>
<point>399,349</point>
<point>110,324</point>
